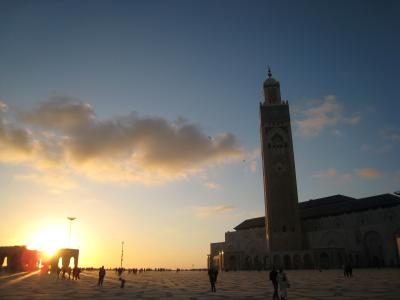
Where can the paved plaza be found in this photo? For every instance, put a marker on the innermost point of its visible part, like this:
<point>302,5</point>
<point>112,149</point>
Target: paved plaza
<point>305,284</point>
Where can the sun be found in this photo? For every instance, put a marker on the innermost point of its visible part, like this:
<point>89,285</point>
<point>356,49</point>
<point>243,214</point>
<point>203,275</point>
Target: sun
<point>48,240</point>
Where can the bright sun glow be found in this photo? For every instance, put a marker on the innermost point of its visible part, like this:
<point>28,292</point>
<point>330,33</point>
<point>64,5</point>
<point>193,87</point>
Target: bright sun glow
<point>48,240</point>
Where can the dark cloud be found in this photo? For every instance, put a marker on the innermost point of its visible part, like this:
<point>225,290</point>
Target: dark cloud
<point>15,143</point>
<point>61,112</point>
<point>130,148</point>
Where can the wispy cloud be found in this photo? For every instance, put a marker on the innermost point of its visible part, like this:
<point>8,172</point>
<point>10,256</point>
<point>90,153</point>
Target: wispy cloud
<point>3,106</point>
<point>344,177</point>
<point>380,149</point>
<point>65,133</point>
<point>55,182</point>
<point>390,134</point>
<point>208,211</point>
<point>253,166</point>
<point>333,174</point>
<point>368,173</point>
<point>323,114</point>
<point>212,185</point>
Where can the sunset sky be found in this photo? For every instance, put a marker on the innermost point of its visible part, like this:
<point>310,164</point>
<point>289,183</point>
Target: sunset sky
<point>141,118</point>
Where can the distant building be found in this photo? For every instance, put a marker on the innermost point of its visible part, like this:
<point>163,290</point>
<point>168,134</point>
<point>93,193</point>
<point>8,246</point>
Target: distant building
<point>20,258</point>
<point>321,233</point>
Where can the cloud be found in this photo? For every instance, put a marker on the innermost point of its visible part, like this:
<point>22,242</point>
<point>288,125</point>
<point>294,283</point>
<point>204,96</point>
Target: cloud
<point>381,149</point>
<point>330,173</point>
<point>337,132</point>
<point>344,177</point>
<point>61,112</point>
<point>322,115</point>
<point>253,166</point>
<point>333,174</point>
<point>208,211</point>
<point>16,144</point>
<point>368,173</point>
<point>65,133</point>
<point>212,185</point>
<point>3,106</point>
<point>390,134</point>
<point>56,182</point>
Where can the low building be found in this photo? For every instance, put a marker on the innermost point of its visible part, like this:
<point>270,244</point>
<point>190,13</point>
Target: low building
<point>335,230</point>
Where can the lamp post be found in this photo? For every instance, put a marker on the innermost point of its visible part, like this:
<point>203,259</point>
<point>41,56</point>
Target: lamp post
<point>222,261</point>
<point>70,229</point>
<point>122,253</point>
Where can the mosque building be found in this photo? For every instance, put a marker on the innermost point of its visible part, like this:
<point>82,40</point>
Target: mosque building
<point>320,233</point>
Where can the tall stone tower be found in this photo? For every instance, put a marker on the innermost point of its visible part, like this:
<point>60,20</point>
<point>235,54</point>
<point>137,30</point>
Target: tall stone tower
<point>282,222</point>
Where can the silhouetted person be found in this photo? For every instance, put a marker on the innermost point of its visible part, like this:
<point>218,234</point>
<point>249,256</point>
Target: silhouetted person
<point>349,270</point>
<point>283,283</point>
<point>69,273</point>
<point>122,282</point>
<point>273,276</point>
<point>102,273</point>
<point>213,275</point>
<point>75,273</point>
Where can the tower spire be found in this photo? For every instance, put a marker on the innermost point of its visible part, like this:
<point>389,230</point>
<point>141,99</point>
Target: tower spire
<point>269,72</point>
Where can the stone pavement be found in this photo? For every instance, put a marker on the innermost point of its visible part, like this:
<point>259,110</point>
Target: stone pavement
<point>305,284</point>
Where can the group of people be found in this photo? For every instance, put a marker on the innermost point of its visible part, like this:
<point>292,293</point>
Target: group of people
<point>348,270</point>
<point>74,271</point>
<point>279,279</point>
<point>280,283</point>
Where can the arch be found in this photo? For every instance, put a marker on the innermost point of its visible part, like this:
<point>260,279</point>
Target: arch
<point>247,263</point>
<point>397,237</point>
<point>339,260</point>
<point>277,261</point>
<point>257,262</point>
<point>4,262</point>
<point>72,262</point>
<point>266,262</point>
<point>232,263</point>
<point>296,261</point>
<point>287,261</point>
<point>307,261</point>
<point>324,260</point>
<point>358,260</point>
<point>373,245</point>
<point>332,239</point>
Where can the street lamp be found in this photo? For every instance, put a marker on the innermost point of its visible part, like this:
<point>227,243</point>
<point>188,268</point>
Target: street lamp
<point>70,229</point>
<point>122,252</point>
<point>222,261</point>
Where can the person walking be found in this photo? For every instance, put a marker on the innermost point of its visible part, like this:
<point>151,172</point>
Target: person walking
<point>283,283</point>
<point>213,275</point>
<point>273,276</point>
<point>102,274</point>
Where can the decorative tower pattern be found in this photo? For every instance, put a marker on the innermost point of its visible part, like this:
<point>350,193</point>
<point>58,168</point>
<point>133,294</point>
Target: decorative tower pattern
<point>282,222</point>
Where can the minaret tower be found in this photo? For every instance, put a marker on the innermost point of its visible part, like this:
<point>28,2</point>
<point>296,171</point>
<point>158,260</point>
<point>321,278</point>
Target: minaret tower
<point>282,222</point>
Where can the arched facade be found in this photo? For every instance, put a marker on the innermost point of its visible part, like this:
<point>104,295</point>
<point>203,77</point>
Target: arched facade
<point>65,255</point>
<point>374,249</point>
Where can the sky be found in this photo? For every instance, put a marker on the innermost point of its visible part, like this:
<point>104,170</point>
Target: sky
<point>141,118</point>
